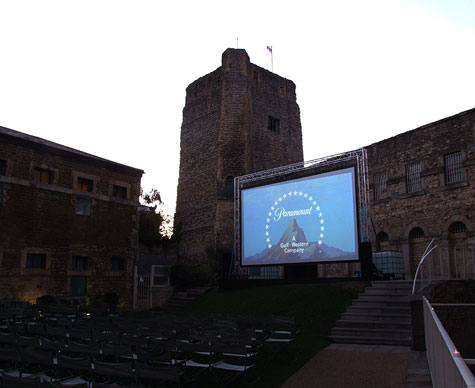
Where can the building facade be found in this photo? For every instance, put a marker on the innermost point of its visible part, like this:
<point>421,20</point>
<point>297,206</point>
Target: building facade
<point>422,188</point>
<point>69,224</point>
<point>237,120</point>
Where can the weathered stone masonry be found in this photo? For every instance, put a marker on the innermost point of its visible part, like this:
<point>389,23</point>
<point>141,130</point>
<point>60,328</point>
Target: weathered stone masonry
<point>237,120</point>
<point>409,220</point>
<point>40,218</point>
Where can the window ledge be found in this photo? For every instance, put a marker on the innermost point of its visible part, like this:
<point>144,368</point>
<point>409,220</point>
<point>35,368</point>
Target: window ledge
<point>411,195</point>
<point>455,186</point>
<point>382,200</point>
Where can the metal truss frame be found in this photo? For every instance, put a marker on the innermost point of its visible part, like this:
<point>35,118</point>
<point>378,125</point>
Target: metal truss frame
<point>361,157</point>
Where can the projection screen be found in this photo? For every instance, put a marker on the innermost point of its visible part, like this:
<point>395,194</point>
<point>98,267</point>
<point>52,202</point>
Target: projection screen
<point>304,220</point>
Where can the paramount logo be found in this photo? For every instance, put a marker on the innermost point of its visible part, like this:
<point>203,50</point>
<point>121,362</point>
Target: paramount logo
<point>281,212</point>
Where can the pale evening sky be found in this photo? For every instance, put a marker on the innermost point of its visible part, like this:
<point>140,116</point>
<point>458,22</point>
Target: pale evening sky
<point>108,77</point>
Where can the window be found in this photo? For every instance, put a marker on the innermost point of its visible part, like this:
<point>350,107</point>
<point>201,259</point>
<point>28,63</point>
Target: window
<point>458,227</point>
<point>119,192</point>
<point>85,184</point>
<point>229,187</point>
<point>380,188</point>
<point>78,285</point>
<point>382,237</point>
<point>83,206</point>
<point>413,177</point>
<point>3,167</point>
<point>273,124</point>
<point>35,260</point>
<point>161,275</point>
<point>416,233</point>
<point>117,264</point>
<point>79,263</point>
<point>41,175</point>
<point>453,168</point>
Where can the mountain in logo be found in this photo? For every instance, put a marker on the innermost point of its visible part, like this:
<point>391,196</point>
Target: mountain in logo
<point>285,252</point>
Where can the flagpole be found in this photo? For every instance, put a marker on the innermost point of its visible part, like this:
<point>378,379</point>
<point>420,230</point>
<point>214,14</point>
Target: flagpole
<point>271,57</point>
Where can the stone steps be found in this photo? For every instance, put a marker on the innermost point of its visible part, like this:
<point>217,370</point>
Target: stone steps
<point>368,324</point>
<point>418,373</point>
<point>363,316</point>
<point>381,315</point>
<point>182,298</point>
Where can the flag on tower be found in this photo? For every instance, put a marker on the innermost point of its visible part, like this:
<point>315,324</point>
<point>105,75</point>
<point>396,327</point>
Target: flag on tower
<point>269,48</point>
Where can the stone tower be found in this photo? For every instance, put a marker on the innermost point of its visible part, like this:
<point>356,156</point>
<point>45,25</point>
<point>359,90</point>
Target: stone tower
<point>237,120</point>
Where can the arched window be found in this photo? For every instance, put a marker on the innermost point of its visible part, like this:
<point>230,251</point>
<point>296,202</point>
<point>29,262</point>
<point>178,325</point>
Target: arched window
<point>416,233</point>
<point>382,237</point>
<point>458,227</point>
<point>229,187</point>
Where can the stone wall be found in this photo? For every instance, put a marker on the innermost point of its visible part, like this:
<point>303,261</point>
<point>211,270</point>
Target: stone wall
<point>225,133</point>
<point>437,205</point>
<point>41,218</point>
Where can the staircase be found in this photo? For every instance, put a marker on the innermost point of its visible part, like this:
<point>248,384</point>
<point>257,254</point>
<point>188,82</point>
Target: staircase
<point>381,315</point>
<point>182,298</point>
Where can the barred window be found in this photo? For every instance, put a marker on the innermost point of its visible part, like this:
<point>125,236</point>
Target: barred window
<point>416,233</point>
<point>79,263</point>
<point>458,227</point>
<point>35,260</point>
<point>453,168</point>
<point>85,184</point>
<point>40,175</point>
<point>273,124</point>
<point>380,185</point>
<point>83,206</point>
<point>78,286</point>
<point>117,264</point>
<point>382,237</point>
<point>119,192</point>
<point>413,177</point>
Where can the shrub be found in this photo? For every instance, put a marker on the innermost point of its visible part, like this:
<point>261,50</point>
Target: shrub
<point>46,299</point>
<point>111,299</point>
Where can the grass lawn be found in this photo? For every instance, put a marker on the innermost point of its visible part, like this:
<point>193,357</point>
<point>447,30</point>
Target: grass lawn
<point>315,308</point>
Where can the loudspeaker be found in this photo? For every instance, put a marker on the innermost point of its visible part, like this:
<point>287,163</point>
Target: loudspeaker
<point>366,260</point>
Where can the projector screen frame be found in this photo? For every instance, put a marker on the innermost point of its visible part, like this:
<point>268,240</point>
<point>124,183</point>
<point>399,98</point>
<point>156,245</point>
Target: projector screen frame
<point>354,159</point>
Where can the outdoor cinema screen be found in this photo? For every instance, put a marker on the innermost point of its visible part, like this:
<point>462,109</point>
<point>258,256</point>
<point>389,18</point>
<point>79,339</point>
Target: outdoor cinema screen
<point>304,220</point>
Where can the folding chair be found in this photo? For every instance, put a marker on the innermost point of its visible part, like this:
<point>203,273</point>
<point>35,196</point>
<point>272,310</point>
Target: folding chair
<point>79,368</point>
<point>197,358</point>
<point>83,335</point>
<point>236,360</point>
<point>34,328</point>
<point>115,353</point>
<point>20,382</point>
<point>67,384</point>
<point>37,362</point>
<point>30,342</point>
<point>282,333</point>
<point>9,360</point>
<point>163,375</point>
<point>56,332</point>
<point>105,336</point>
<point>76,349</point>
<point>53,346</point>
<point>109,372</point>
<point>8,339</point>
<point>133,340</point>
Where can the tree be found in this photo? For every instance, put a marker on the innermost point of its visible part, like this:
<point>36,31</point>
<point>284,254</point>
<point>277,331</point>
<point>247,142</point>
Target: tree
<point>155,226</point>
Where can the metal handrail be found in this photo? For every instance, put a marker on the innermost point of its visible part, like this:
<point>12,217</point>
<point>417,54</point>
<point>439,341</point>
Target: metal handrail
<point>424,255</point>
